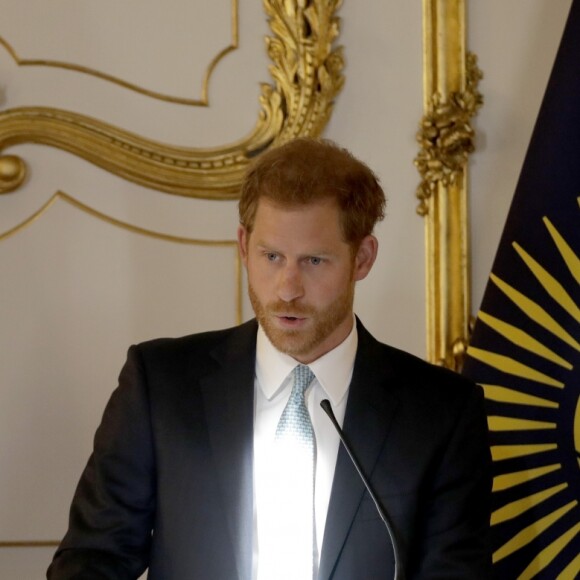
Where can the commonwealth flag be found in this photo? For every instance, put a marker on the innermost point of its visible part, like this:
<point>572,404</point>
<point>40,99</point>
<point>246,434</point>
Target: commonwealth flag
<point>525,349</point>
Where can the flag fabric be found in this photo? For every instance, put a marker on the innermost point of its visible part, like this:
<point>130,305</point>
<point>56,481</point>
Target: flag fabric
<point>525,348</point>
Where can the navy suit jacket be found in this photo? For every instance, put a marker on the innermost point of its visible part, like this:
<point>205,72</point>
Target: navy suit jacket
<point>169,484</point>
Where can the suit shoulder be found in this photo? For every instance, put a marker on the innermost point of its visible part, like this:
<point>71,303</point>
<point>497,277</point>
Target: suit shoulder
<point>416,374</point>
<point>416,365</point>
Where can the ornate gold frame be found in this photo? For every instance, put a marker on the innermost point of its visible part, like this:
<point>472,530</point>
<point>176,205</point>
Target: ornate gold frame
<point>451,99</point>
<point>307,73</point>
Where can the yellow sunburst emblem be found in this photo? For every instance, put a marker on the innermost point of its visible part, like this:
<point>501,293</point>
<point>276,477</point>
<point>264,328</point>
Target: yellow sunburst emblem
<point>530,357</point>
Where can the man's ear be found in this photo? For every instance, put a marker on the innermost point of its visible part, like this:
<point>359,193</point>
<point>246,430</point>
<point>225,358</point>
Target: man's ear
<point>243,237</point>
<point>365,257</point>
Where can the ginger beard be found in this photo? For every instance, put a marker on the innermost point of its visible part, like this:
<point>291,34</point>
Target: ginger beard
<point>322,321</point>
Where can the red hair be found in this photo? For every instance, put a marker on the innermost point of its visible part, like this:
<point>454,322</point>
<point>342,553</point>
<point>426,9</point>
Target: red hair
<point>307,170</point>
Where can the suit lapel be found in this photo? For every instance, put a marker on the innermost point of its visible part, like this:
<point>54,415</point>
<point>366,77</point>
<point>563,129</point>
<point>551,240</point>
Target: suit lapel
<point>370,409</point>
<point>228,396</point>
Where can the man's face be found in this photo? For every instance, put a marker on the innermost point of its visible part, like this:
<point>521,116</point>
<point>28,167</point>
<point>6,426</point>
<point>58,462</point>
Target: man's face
<point>301,276</point>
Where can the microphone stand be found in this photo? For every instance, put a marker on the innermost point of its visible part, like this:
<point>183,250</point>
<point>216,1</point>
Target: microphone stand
<point>399,573</point>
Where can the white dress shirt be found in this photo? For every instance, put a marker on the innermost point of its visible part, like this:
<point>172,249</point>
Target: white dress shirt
<point>273,384</point>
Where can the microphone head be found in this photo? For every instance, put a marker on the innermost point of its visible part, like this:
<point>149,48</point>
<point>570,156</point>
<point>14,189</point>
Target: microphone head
<point>325,404</point>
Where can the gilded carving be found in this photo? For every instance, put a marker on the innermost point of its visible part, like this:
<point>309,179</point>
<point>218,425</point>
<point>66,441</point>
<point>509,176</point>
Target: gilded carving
<point>12,171</point>
<point>446,137</point>
<point>451,99</point>
<point>307,73</point>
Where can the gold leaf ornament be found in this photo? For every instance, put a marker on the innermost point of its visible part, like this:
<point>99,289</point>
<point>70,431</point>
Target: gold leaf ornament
<point>307,74</point>
<point>446,137</point>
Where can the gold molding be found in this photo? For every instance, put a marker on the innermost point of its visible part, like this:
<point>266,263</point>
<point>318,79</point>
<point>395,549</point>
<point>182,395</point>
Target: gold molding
<point>30,544</point>
<point>307,74</point>
<point>451,99</point>
<point>201,102</point>
<point>60,195</point>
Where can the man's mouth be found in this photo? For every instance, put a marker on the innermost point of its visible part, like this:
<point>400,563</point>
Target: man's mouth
<point>290,319</point>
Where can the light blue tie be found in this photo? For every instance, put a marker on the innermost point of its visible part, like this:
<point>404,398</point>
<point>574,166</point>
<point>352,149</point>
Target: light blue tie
<point>295,421</point>
<point>296,443</point>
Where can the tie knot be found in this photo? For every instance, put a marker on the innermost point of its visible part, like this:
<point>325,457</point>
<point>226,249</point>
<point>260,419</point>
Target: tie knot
<point>303,376</point>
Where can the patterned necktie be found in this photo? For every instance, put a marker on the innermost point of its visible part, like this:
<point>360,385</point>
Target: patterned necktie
<point>296,448</point>
<point>295,424</point>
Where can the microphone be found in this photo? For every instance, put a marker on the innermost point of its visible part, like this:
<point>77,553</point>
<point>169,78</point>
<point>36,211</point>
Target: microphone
<point>399,573</point>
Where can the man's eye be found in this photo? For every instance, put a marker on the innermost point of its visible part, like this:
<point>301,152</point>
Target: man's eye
<point>315,261</point>
<point>271,256</point>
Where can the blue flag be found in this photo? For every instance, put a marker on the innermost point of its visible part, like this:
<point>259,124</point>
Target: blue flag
<point>525,348</point>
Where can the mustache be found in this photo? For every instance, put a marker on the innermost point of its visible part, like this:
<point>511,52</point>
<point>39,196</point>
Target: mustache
<point>280,308</point>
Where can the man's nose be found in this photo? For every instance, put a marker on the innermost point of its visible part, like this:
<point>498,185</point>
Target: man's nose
<point>290,284</point>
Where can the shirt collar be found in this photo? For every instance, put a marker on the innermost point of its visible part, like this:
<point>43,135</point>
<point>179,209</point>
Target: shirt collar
<point>332,370</point>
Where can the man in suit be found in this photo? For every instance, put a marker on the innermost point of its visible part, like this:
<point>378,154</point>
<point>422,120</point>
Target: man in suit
<point>181,477</point>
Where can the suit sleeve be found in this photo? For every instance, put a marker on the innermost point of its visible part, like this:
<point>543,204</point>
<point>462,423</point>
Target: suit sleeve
<point>454,541</point>
<point>111,516</point>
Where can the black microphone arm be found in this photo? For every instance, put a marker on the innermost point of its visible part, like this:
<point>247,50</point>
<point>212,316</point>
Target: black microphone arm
<point>399,573</point>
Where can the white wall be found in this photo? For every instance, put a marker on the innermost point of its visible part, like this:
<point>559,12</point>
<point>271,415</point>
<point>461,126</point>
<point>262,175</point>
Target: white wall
<point>75,292</point>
